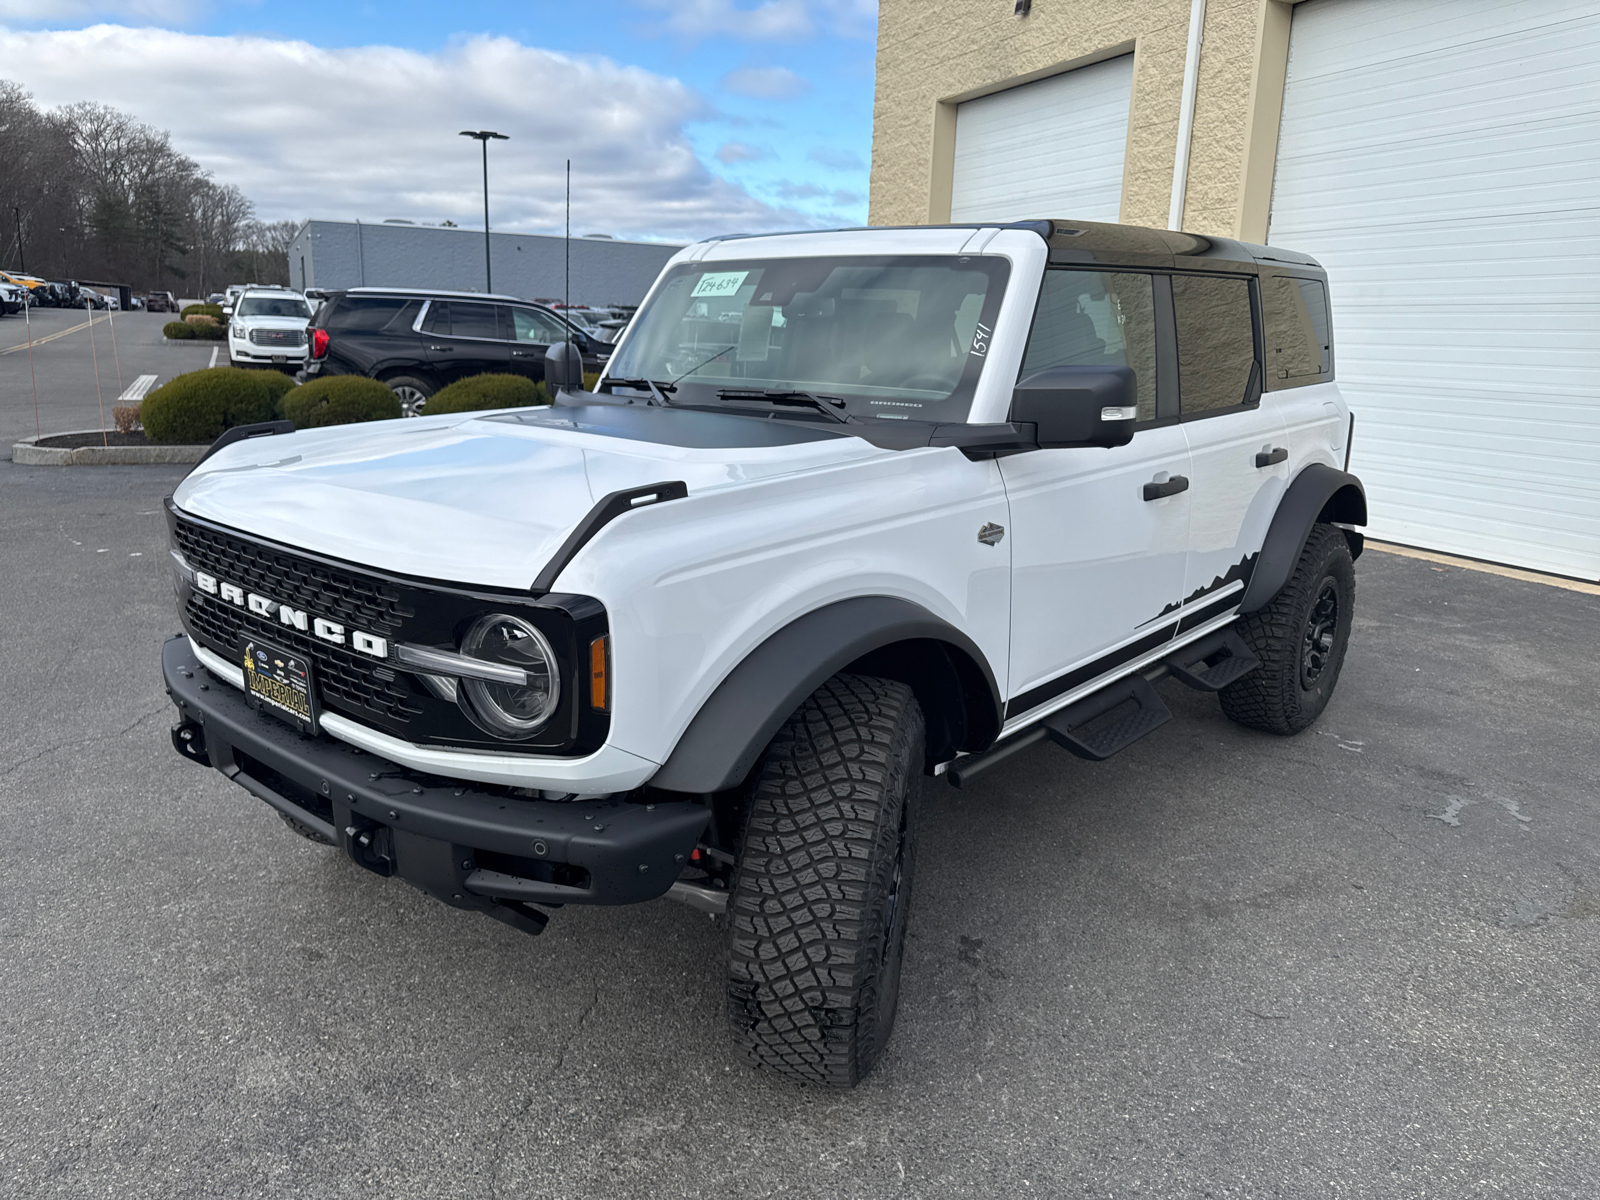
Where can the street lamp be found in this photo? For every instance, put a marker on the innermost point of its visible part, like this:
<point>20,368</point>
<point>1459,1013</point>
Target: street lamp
<point>483,135</point>
<point>22,259</point>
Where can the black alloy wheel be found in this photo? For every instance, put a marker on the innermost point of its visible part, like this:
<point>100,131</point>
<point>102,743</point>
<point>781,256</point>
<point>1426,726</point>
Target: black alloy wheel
<point>1300,636</point>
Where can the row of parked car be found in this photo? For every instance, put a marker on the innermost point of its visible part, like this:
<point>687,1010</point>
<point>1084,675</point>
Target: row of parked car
<point>19,290</point>
<point>413,339</point>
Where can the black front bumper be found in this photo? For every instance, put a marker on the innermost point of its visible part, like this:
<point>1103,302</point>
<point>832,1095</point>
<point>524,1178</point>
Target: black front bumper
<point>470,845</point>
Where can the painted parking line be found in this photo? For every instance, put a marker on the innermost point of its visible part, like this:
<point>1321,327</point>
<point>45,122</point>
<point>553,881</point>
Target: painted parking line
<point>58,334</point>
<point>138,389</point>
<point>213,361</point>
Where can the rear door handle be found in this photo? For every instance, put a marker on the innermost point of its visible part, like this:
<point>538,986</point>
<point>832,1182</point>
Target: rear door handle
<point>1271,458</point>
<point>443,349</point>
<point>1178,483</point>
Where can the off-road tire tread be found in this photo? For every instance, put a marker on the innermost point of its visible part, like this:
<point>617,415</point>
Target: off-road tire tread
<point>821,835</point>
<point>1269,698</point>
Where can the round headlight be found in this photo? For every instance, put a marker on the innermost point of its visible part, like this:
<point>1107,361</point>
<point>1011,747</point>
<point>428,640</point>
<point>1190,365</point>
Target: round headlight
<point>510,710</point>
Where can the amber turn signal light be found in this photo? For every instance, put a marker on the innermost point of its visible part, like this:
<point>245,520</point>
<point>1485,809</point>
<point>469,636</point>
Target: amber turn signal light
<point>599,683</point>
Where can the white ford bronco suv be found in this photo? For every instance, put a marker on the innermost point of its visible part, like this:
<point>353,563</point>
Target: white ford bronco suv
<point>848,510</point>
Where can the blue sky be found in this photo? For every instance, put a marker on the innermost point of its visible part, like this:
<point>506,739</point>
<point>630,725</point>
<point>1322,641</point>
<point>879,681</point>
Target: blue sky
<point>771,98</point>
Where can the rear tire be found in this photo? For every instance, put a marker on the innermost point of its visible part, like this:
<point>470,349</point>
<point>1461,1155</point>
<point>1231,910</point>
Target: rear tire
<point>413,393</point>
<point>1300,637</point>
<point>821,893</point>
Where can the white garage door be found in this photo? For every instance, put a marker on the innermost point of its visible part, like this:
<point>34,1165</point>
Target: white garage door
<point>1048,149</point>
<point>1443,162</point>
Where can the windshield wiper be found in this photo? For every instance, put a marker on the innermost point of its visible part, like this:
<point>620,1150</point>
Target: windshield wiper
<point>828,406</point>
<point>657,390</point>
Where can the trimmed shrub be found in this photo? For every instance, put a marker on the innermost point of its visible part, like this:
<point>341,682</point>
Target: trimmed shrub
<point>590,378</point>
<point>339,400</point>
<point>127,418</point>
<point>214,311</point>
<point>278,385</point>
<point>178,330</point>
<point>199,320</point>
<point>195,408</point>
<point>478,392</point>
<point>210,332</point>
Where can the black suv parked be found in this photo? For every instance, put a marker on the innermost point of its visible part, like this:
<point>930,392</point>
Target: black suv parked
<point>418,341</point>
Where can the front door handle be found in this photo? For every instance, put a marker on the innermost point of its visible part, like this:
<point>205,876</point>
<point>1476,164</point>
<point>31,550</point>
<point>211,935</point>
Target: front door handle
<point>1271,458</point>
<point>524,354</point>
<point>1178,483</point>
<point>443,349</point>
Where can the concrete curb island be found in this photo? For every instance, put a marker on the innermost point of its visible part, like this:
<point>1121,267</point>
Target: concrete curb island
<point>27,453</point>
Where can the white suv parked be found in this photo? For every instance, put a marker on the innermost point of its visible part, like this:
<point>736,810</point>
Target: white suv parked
<point>268,328</point>
<point>848,511</point>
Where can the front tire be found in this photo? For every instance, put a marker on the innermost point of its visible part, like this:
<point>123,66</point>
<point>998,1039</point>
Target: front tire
<point>1300,637</point>
<point>820,896</point>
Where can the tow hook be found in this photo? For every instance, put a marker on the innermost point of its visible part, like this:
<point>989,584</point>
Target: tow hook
<point>189,740</point>
<point>371,845</point>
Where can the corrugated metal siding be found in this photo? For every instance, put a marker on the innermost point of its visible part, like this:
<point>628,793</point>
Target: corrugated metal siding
<point>341,254</point>
<point>1443,162</point>
<point>1048,149</point>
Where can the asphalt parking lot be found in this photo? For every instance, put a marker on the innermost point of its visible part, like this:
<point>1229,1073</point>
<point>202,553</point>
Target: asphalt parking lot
<point>80,369</point>
<point>1361,962</point>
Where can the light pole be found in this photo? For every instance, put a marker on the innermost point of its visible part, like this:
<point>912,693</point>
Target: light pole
<point>22,260</point>
<point>483,135</point>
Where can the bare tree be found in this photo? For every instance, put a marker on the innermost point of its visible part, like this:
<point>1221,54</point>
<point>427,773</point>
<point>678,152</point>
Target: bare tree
<point>89,191</point>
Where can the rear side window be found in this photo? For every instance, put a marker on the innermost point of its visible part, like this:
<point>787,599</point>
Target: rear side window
<point>1216,342</point>
<point>368,314</point>
<point>1096,319</point>
<point>1295,319</point>
<point>463,319</point>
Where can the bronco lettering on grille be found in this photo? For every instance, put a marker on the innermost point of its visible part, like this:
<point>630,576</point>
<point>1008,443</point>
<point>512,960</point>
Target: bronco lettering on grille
<point>295,618</point>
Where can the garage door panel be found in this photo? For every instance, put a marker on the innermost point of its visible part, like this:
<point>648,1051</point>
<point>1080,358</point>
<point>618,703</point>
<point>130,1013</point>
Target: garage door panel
<point>1053,148</point>
<point>1442,161</point>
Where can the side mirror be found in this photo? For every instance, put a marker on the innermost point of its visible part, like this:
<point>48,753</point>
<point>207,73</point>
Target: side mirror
<point>1079,406</point>
<point>563,366</point>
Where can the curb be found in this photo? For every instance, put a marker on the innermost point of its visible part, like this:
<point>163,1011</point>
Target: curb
<point>26,453</point>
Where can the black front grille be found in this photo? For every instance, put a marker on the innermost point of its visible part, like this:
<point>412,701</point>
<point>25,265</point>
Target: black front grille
<point>355,684</point>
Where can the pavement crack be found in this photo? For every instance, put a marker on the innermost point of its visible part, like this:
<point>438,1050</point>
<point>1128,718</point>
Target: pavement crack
<point>87,741</point>
<point>502,1138</point>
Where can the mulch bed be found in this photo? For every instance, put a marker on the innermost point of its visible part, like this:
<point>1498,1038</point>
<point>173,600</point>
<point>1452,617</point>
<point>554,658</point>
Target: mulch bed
<point>74,441</point>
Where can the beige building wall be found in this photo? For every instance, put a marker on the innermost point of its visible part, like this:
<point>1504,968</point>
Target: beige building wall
<point>933,54</point>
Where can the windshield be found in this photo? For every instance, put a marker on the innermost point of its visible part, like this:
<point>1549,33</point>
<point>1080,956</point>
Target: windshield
<point>273,306</point>
<point>900,338</point>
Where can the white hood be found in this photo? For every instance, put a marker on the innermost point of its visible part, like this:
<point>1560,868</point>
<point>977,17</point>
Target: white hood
<point>461,498</point>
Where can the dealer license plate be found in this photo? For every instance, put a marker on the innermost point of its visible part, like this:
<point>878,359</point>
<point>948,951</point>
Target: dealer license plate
<point>280,358</point>
<point>280,682</point>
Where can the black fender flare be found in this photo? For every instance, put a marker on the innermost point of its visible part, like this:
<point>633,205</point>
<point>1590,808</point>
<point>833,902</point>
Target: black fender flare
<point>1318,493</point>
<point>740,717</point>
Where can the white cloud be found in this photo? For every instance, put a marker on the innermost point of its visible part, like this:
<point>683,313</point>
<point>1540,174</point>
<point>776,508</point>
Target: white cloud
<point>62,12</point>
<point>765,83</point>
<point>730,153</point>
<point>371,132</point>
<point>768,20</point>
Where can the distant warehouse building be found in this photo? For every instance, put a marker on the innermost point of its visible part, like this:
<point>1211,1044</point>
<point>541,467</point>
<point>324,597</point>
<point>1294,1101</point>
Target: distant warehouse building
<point>344,254</point>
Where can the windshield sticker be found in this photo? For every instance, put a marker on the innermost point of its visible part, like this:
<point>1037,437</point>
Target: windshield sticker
<point>755,334</point>
<point>719,283</point>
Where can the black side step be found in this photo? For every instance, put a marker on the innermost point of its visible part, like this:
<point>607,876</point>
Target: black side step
<point>1214,662</point>
<point>1098,726</point>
